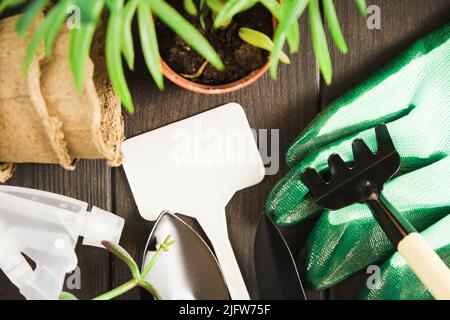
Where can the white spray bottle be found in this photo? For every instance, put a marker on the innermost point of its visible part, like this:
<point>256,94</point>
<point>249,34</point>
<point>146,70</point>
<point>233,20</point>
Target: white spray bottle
<point>45,227</point>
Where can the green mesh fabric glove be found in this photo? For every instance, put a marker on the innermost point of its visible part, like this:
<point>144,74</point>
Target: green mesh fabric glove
<point>411,95</point>
<point>397,279</point>
<point>348,240</point>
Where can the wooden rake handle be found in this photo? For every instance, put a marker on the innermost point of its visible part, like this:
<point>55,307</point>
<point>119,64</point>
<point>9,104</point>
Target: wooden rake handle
<point>422,259</point>
<point>426,264</point>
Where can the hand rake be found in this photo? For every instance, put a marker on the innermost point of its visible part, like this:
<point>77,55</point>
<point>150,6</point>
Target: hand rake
<point>363,183</point>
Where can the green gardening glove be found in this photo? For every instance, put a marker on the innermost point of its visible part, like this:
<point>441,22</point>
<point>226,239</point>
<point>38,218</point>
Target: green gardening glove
<point>348,240</point>
<point>411,95</point>
<point>398,282</point>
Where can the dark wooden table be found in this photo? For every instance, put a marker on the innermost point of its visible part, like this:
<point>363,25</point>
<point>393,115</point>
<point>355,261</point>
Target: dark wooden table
<point>288,104</point>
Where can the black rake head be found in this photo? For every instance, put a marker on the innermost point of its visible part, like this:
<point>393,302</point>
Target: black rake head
<point>367,176</point>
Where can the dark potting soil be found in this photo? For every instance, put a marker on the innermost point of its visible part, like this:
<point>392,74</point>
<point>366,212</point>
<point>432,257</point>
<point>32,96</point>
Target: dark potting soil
<point>239,58</point>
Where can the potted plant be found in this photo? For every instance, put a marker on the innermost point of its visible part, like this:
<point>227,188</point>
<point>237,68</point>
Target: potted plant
<point>238,30</point>
<point>240,42</point>
<point>287,15</point>
<point>208,27</point>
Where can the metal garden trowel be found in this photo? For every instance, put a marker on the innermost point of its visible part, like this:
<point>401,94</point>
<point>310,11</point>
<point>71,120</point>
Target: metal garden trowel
<point>194,167</point>
<point>189,271</point>
<point>276,271</point>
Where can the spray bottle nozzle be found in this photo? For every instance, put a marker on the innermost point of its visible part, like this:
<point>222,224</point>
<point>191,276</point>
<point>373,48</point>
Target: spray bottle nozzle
<point>101,225</point>
<point>45,227</point>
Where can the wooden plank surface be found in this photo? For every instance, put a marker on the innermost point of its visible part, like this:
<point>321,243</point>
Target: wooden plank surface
<point>288,104</point>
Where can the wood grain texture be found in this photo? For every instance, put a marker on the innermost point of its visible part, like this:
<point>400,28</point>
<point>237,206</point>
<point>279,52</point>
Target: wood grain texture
<point>288,104</point>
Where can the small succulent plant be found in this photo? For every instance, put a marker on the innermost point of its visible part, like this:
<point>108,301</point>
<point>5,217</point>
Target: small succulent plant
<point>138,277</point>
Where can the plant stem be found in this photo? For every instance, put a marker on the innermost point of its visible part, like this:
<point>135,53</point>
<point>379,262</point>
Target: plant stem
<point>162,248</point>
<point>124,288</point>
<point>197,73</point>
<point>150,288</point>
<point>152,262</point>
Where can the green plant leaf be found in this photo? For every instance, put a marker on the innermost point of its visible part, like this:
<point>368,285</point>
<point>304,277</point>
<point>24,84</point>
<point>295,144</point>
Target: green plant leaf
<point>114,56</point>
<point>202,10</point>
<point>86,10</point>
<point>333,25</point>
<point>260,40</point>
<point>67,296</point>
<point>215,5</point>
<point>190,7</point>
<point>124,256</point>
<point>320,41</point>
<point>75,63</point>
<point>33,46</point>
<point>57,21</point>
<point>362,7</point>
<point>292,10</point>
<point>127,35</point>
<point>31,11</point>
<point>293,33</point>
<point>230,9</point>
<point>186,31</point>
<point>149,43</point>
<point>293,37</point>
<point>81,40</point>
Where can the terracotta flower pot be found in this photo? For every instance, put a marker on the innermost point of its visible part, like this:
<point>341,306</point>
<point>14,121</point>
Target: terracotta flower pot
<point>215,89</point>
